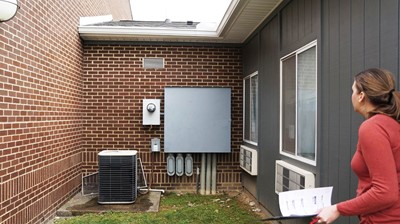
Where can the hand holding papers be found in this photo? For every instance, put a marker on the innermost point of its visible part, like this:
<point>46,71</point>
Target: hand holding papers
<point>304,202</point>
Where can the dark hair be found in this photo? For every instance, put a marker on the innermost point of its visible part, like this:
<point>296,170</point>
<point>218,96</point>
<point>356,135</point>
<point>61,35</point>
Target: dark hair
<point>379,87</point>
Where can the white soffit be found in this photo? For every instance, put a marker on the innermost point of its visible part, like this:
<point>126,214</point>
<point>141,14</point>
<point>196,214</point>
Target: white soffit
<point>240,21</point>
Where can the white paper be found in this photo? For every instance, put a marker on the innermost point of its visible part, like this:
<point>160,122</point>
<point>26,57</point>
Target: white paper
<point>304,202</point>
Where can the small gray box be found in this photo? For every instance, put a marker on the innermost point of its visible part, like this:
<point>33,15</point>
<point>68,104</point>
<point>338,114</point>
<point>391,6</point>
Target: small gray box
<point>155,145</point>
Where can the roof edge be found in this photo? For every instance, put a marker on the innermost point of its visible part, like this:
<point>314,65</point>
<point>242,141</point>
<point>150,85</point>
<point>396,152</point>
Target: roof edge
<point>144,31</point>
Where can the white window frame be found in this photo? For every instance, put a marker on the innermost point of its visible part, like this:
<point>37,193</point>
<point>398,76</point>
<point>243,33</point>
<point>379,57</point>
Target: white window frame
<point>244,108</point>
<point>296,156</point>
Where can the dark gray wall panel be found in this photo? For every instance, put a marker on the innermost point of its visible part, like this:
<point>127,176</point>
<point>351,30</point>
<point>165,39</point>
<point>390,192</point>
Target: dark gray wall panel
<point>250,56</point>
<point>331,101</point>
<point>389,38</point>
<point>302,17</point>
<point>336,92</point>
<point>371,18</point>
<point>250,65</point>
<point>268,114</point>
<point>357,65</point>
<point>299,21</point>
<point>357,36</point>
<point>250,183</point>
<point>344,189</point>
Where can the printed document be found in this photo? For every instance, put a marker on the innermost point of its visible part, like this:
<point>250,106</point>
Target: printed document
<point>304,202</point>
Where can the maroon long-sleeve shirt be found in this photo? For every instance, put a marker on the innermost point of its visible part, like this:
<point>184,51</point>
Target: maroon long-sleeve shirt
<point>376,162</point>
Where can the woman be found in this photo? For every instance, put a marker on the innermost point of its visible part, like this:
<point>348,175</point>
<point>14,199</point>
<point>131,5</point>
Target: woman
<point>376,161</point>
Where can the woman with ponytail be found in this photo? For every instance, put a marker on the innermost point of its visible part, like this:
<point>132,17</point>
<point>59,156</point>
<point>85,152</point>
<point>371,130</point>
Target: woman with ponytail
<point>376,161</point>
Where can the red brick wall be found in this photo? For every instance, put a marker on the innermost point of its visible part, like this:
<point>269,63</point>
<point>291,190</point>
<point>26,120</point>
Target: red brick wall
<point>40,108</point>
<point>115,84</point>
<point>43,98</point>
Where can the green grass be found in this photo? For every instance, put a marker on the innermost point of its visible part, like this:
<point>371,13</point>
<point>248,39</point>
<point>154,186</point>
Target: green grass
<point>179,209</point>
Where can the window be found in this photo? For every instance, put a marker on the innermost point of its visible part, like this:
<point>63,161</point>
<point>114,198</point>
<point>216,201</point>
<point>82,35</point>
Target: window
<point>298,112</point>
<point>250,110</point>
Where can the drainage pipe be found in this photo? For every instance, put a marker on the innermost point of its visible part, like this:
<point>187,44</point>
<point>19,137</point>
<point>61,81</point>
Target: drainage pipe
<point>203,174</point>
<point>214,174</point>
<point>208,174</point>
<point>145,191</point>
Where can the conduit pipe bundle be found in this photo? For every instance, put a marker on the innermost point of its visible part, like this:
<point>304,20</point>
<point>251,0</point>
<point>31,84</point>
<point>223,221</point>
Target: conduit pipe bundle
<point>208,174</point>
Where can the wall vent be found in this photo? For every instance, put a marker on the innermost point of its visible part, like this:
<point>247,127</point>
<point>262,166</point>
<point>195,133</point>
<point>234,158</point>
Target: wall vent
<point>289,177</point>
<point>155,63</point>
<point>248,160</point>
<point>117,176</point>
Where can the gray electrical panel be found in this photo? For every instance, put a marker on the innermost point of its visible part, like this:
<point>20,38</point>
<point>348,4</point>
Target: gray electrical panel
<point>197,120</point>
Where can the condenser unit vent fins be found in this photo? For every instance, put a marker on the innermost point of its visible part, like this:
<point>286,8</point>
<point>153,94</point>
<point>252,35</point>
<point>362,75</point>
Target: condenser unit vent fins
<point>155,63</point>
<point>289,177</point>
<point>117,177</point>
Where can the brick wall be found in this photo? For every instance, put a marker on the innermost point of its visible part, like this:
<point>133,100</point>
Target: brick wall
<point>40,108</point>
<point>43,98</point>
<point>115,84</point>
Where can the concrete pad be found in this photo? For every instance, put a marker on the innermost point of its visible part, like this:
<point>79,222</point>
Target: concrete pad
<point>81,204</point>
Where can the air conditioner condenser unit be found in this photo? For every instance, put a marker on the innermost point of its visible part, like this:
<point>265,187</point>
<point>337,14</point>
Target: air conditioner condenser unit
<point>117,176</point>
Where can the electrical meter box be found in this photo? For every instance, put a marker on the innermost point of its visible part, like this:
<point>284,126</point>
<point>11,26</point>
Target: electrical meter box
<point>151,112</point>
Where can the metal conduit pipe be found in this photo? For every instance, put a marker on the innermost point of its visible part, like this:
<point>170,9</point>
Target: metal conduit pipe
<point>208,174</point>
<point>203,174</point>
<point>214,174</point>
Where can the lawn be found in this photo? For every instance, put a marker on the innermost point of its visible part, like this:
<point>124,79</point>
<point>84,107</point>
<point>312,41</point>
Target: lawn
<point>180,209</point>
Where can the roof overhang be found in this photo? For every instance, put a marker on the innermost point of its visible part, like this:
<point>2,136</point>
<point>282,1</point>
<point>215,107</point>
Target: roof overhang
<point>239,22</point>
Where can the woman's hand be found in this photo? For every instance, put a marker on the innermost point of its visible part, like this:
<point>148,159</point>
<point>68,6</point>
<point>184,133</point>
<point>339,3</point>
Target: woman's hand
<point>328,214</point>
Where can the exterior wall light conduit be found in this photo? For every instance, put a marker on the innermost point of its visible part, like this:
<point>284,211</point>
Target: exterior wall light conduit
<point>8,9</point>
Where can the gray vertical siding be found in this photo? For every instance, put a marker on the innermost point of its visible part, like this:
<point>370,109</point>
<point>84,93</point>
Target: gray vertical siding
<point>250,56</point>
<point>299,24</point>
<point>336,112</point>
<point>357,64</point>
<point>344,94</point>
<point>268,114</point>
<point>250,65</point>
<point>352,36</point>
<point>389,35</point>
<point>295,25</point>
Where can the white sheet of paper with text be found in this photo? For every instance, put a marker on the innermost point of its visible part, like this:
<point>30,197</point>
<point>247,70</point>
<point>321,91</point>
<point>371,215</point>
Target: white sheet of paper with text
<point>304,202</point>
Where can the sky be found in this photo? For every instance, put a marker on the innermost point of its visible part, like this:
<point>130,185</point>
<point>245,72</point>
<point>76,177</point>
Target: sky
<point>208,12</point>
